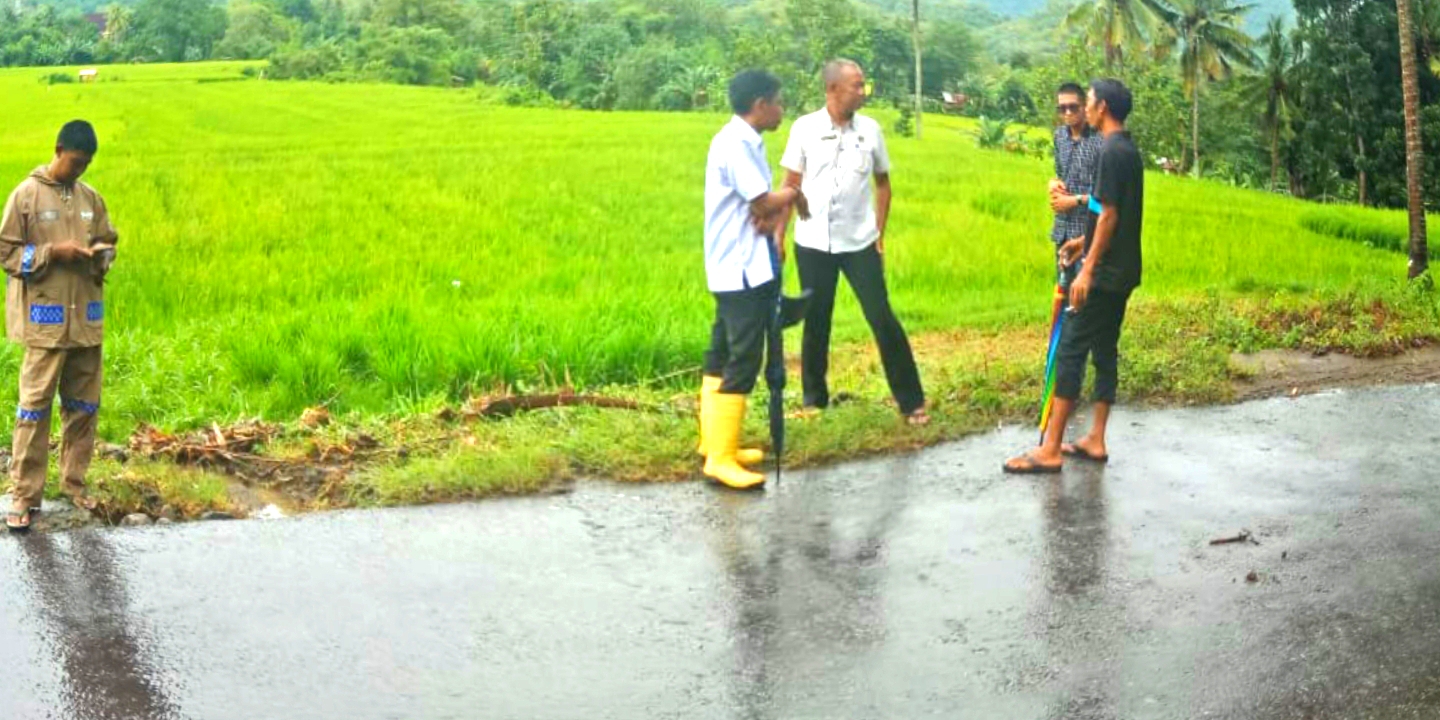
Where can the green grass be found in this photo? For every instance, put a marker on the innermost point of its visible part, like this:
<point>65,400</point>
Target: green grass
<point>1381,229</point>
<point>387,250</point>
<point>155,488</point>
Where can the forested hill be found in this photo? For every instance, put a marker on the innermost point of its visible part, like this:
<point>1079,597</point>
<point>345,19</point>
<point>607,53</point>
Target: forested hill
<point>1019,8</point>
<point>979,13</point>
<point>991,12</point>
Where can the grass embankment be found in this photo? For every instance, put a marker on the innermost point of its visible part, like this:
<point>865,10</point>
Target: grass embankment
<point>390,251</point>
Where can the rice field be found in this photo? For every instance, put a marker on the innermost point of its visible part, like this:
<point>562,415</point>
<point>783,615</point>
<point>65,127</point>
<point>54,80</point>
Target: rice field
<point>378,247</point>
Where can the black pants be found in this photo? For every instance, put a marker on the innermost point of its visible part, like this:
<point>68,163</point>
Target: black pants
<point>865,270</point>
<point>737,338</point>
<point>1094,331</point>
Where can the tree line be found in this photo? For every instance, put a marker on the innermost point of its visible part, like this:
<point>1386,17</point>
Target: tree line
<point>1313,107</point>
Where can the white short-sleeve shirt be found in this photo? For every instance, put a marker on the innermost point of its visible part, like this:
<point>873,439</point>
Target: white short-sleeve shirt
<point>837,166</point>
<point>737,172</point>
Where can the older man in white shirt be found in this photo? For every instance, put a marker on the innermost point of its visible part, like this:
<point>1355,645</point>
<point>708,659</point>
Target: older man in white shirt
<point>741,212</point>
<point>834,155</point>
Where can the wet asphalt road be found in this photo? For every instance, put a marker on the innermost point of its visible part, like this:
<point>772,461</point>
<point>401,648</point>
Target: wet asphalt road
<point>924,585</point>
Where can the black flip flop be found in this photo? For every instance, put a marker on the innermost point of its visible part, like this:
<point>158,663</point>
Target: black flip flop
<point>1075,451</point>
<point>1031,468</point>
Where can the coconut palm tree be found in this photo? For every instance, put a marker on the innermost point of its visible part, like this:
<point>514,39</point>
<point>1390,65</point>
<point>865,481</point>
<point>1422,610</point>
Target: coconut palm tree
<point>1212,45</point>
<point>118,19</point>
<point>1425,14</point>
<point>1273,88</point>
<point>690,89</point>
<point>1119,26</point>
<point>1414,150</point>
<point>919,65</point>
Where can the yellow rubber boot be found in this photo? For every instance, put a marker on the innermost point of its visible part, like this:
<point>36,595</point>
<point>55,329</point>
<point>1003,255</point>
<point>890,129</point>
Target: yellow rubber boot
<point>709,387</point>
<point>722,429</point>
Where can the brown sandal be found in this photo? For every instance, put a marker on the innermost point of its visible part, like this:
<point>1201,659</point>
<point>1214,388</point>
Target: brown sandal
<point>18,522</point>
<point>81,499</point>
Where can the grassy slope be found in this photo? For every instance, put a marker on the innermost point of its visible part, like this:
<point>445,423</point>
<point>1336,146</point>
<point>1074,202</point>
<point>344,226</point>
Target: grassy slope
<point>288,244</point>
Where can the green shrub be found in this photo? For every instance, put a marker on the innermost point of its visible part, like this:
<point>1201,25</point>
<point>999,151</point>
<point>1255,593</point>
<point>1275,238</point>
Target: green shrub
<point>905,124</point>
<point>990,134</point>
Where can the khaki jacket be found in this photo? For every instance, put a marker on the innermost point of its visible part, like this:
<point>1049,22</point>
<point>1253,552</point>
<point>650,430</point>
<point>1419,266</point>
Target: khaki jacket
<point>51,304</point>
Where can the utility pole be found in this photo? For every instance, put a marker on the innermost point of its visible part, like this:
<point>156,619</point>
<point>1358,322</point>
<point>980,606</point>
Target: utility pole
<point>919,76</point>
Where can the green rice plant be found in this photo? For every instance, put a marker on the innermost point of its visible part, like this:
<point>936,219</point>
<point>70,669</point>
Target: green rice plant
<point>382,248</point>
<point>1006,206</point>
<point>1382,229</point>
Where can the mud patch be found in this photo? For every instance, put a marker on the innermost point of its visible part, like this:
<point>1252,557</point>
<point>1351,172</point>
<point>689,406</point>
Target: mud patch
<point>1273,373</point>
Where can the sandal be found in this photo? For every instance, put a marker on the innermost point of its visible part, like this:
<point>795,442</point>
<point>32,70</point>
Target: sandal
<point>1027,465</point>
<point>919,418</point>
<point>1075,451</point>
<point>18,522</point>
<point>81,499</point>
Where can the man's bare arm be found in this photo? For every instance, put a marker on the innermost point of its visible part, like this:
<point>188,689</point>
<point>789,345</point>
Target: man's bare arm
<point>1104,231</point>
<point>792,179</point>
<point>883,195</point>
<point>773,203</point>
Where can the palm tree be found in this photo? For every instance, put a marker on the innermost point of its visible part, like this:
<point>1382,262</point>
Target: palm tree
<point>1212,44</point>
<point>919,75</point>
<point>1425,16</point>
<point>118,20</point>
<point>691,87</point>
<point>1274,89</point>
<point>1414,150</point>
<point>1119,25</point>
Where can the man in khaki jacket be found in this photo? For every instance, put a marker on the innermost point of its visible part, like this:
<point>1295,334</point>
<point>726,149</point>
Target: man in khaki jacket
<point>56,245</point>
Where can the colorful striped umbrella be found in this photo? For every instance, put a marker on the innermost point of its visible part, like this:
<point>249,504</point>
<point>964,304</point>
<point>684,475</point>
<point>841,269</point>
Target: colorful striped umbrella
<point>1057,321</point>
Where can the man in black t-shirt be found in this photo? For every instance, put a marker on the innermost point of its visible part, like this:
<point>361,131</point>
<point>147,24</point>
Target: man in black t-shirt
<point>1110,272</point>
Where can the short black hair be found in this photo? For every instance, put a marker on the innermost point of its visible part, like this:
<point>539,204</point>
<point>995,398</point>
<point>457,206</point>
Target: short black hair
<point>752,85</point>
<point>79,136</point>
<point>1072,88</point>
<point>1115,95</point>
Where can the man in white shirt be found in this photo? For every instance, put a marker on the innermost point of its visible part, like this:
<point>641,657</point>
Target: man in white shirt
<point>741,269</point>
<point>833,154</point>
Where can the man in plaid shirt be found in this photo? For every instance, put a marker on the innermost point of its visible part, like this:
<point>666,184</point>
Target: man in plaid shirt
<point>1077,150</point>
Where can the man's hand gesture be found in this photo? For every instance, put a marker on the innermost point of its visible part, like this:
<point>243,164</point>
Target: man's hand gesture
<point>802,205</point>
<point>69,252</point>
<point>1070,252</point>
